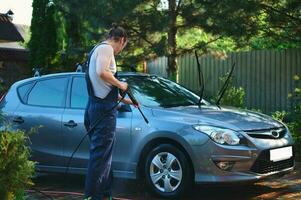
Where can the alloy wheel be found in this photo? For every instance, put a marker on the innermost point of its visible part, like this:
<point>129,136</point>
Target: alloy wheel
<point>165,172</point>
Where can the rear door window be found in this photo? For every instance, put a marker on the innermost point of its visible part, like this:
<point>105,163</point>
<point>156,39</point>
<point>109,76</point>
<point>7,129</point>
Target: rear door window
<point>79,94</point>
<point>50,92</point>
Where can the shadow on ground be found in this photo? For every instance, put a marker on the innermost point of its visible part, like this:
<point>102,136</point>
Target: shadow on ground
<point>62,187</point>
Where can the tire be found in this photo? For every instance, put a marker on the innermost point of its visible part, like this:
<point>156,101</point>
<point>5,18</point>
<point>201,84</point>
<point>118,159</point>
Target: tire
<point>164,178</point>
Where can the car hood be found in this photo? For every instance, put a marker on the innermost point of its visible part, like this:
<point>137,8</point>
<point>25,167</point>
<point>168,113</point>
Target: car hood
<point>227,117</point>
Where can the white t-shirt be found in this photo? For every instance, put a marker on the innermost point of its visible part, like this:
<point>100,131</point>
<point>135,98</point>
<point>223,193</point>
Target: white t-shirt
<point>101,56</point>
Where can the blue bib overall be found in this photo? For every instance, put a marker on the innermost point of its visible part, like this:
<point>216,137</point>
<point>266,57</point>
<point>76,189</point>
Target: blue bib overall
<point>102,139</point>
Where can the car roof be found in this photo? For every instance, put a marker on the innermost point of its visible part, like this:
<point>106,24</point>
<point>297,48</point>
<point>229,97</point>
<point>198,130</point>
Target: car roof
<point>139,74</point>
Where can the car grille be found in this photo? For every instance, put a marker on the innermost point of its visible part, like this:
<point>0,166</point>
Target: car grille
<point>263,165</point>
<point>276,133</point>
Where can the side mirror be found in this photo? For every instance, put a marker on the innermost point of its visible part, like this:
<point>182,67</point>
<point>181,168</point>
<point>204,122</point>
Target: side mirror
<point>124,108</point>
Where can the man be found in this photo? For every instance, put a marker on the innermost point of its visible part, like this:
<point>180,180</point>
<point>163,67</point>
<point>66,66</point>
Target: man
<point>103,96</point>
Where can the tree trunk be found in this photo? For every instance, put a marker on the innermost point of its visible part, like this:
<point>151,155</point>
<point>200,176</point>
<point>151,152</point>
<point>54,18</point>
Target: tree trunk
<point>172,69</point>
<point>144,66</point>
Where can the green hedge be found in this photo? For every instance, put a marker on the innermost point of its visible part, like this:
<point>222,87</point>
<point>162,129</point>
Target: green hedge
<point>16,170</point>
<point>233,96</point>
<point>293,119</point>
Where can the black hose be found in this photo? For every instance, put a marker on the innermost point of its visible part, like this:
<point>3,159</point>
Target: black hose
<point>43,193</point>
<point>89,131</point>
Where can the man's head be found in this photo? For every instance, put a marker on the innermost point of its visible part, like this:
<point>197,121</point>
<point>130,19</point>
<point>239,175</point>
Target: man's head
<point>118,37</point>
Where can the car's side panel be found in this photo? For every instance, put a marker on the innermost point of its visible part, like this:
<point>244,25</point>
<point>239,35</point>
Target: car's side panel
<point>46,142</point>
<point>123,144</point>
<point>160,131</point>
<point>33,112</point>
<point>72,135</point>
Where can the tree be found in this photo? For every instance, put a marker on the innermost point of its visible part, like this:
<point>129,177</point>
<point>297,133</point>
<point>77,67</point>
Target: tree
<point>154,29</point>
<point>280,25</point>
<point>175,27</point>
<point>75,31</point>
<point>43,43</point>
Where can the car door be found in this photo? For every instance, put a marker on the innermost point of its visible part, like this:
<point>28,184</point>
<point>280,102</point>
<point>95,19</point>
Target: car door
<point>74,130</point>
<point>42,109</point>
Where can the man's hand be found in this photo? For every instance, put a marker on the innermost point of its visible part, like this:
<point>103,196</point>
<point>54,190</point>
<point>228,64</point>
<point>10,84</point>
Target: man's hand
<point>123,86</point>
<point>128,101</point>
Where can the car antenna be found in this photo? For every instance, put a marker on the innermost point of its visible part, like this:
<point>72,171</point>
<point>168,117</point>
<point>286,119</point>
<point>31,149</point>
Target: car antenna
<point>224,88</point>
<point>201,79</point>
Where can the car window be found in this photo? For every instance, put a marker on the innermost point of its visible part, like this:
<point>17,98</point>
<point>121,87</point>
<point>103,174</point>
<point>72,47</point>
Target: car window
<point>23,89</point>
<point>79,94</point>
<point>50,92</point>
<point>155,91</point>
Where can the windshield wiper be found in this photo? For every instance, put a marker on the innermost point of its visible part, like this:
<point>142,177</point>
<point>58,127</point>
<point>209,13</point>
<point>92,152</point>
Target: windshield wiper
<point>201,78</point>
<point>224,88</point>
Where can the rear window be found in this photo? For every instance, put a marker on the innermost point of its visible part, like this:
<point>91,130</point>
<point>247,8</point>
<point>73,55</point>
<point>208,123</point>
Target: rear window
<point>23,90</point>
<point>50,92</point>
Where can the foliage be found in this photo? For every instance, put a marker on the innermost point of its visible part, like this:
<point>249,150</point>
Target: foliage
<point>294,127</point>
<point>279,25</point>
<point>293,118</point>
<point>280,115</point>
<point>156,30</point>
<point>26,37</point>
<point>233,96</point>
<point>15,168</point>
<point>172,27</point>
<point>43,43</point>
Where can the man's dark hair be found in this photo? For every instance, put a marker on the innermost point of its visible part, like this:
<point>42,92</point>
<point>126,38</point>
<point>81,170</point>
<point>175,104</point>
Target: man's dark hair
<point>117,32</point>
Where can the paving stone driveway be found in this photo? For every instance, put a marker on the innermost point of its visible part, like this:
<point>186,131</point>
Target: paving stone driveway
<point>287,187</point>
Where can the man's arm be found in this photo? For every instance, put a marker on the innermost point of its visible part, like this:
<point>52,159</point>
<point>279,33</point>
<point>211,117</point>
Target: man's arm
<point>103,61</point>
<point>107,76</point>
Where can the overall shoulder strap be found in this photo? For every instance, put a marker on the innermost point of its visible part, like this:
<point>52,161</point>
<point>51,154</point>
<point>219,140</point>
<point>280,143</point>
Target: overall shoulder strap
<point>91,52</point>
<point>87,77</point>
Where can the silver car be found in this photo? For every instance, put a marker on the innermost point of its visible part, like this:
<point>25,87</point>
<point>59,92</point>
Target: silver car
<point>185,142</point>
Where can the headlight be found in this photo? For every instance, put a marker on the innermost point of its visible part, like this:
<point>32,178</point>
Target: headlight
<point>219,135</point>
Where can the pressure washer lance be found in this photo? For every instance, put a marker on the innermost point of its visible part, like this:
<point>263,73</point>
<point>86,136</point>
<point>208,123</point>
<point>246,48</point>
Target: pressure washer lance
<point>131,96</point>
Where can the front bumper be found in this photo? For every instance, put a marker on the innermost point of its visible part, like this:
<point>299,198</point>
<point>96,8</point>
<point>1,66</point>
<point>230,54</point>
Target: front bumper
<point>238,177</point>
<point>251,164</point>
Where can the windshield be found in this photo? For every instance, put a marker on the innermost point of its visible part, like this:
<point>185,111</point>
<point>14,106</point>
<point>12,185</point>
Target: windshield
<point>155,91</point>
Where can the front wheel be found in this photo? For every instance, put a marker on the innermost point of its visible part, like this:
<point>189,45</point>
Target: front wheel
<point>167,171</point>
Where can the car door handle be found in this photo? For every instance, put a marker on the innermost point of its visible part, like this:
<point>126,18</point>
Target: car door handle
<point>19,120</point>
<point>70,124</point>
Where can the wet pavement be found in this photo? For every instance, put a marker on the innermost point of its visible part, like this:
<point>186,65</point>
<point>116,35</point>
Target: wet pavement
<point>55,186</point>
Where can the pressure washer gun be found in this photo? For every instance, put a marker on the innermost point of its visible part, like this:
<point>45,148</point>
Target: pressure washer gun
<point>128,91</point>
